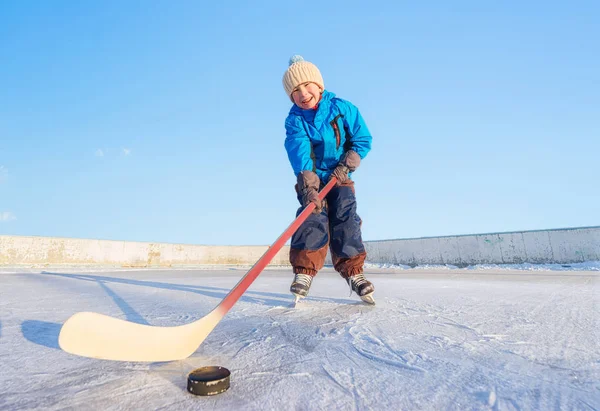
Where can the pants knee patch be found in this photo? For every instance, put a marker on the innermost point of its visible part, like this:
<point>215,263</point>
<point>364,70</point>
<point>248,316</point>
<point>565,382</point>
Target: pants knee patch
<point>313,234</point>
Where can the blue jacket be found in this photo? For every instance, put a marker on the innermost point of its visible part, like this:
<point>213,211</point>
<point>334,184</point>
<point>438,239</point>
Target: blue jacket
<point>317,139</point>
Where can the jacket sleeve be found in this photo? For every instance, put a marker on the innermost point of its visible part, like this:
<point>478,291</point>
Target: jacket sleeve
<point>298,146</point>
<point>360,136</point>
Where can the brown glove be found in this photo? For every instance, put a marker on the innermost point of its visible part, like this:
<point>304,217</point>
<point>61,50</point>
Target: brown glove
<point>348,163</point>
<point>308,186</point>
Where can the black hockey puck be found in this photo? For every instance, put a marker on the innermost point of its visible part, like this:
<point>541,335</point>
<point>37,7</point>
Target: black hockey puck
<point>208,380</point>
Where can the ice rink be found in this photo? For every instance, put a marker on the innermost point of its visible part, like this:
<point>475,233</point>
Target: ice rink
<point>452,339</point>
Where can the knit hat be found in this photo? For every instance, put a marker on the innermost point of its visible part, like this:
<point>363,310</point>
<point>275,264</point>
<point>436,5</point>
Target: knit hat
<point>300,71</point>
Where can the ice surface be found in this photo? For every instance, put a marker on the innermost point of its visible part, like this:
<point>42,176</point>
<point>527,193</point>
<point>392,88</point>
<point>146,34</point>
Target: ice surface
<point>438,338</point>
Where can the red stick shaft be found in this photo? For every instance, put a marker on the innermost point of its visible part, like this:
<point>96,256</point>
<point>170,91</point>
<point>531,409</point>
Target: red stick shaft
<point>266,258</point>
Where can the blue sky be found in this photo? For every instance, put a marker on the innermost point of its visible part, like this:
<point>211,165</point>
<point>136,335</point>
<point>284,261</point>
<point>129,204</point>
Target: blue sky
<point>163,121</point>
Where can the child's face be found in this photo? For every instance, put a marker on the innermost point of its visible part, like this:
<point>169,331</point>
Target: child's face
<point>306,95</point>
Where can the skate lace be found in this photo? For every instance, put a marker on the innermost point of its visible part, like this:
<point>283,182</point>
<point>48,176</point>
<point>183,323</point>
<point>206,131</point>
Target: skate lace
<point>303,279</point>
<point>355,281</point>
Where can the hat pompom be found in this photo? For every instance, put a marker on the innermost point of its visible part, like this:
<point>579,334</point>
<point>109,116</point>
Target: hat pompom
<point>295,59</point>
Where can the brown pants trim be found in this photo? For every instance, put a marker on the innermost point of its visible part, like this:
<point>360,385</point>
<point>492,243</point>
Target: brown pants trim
<point>308,261</point>
<point>347,267</point>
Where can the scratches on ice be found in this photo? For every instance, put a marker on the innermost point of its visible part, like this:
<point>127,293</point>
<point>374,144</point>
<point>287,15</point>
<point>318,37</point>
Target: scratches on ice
<point>372,347</point>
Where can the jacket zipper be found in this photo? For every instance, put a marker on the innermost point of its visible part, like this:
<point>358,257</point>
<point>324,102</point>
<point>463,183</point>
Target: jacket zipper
<point>336,130</point>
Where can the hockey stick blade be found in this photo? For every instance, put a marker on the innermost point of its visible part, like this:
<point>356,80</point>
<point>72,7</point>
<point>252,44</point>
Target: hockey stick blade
<point>99,336</point>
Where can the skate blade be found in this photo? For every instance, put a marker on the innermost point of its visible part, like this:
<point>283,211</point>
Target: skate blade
<point>297,299</point>
<point>368,299</point>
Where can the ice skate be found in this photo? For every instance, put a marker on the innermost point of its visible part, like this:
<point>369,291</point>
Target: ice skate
<point>300,286</point>
<point>362,287</point>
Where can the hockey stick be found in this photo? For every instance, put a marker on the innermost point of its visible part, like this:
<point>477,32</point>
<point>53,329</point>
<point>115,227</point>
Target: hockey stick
<point>100,336</point>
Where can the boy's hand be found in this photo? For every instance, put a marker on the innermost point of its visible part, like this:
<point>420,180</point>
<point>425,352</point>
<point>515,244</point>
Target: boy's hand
<point>310,195</point>
<point>348,163</point>
<point>308,185</point>
<point>341,173</point>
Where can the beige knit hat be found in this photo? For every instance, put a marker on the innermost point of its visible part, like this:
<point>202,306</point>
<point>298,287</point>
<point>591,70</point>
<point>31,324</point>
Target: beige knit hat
<point>301,71</point>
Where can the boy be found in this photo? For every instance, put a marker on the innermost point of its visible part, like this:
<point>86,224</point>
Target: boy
<point>325,136</point>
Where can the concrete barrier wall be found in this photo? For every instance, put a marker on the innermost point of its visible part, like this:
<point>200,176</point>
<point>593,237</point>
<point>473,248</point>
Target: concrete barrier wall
<point>16,250</point>
<point>562,246</point>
